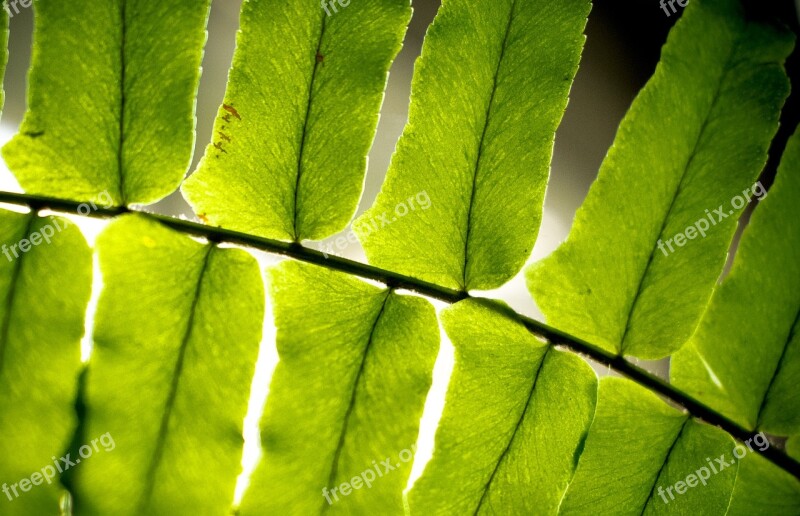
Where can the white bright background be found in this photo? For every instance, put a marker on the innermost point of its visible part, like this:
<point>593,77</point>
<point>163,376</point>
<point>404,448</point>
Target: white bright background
<point>610,75</point>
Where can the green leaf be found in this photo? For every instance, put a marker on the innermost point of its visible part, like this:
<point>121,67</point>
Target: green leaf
<point>488,93</point>
<point>177,332</point>
<point>45,292</point>
<point>793,447</point>
<point>288,155</point>
<point>762,489</point>
<point>513,422</point>
<point>111,99</point>
<point>347,395</point>
<point>744,359</point>
<point>638,448</point>
<point>694,140</point>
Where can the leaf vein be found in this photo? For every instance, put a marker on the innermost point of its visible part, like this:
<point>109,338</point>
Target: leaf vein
<point>158,451</point>
<point>516,429</point>
<point>481,141</point>
<point>693,154</point>
<point>778,366</point>
<point>352,403</point>
<point>304,132</point>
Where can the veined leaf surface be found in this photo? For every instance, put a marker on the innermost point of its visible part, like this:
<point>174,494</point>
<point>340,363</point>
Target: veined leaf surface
<point>763,489</point>
<point>488,93</point>
<point>111,99</point>
<point>290,142</point>
<point>744,359</point>
<point>515,417</point>
<point>44,296</point>
<point>176,338</point>
<point>695,138</point>
<point>347,395</point>
<point>637,449</point>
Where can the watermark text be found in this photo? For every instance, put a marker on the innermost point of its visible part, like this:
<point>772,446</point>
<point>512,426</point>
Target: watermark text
<point>702,474</point>
<point>368,476</point>
<point>711,219</point>
<point>60,465</point>
<point>421,200</point>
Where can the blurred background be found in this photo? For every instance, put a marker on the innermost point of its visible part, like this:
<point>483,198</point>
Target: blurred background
<point>624,38</point>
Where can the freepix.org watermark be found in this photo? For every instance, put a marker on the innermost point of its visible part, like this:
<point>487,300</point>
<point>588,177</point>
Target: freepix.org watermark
<point>701,475</point>
<point>327,5</point>
<point>48,231</point>
<point>8,5</point>
<point>712,219</point>
<point>421,200</point>
<point>60,465</point>
<point>671,3</point>
<point>368,476</point>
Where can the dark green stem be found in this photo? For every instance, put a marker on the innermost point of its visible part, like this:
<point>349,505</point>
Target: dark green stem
<point>399,281</point>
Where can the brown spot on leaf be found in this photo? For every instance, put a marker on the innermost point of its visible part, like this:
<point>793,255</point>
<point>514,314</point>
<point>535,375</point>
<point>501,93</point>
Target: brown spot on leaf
<point>232,111</point>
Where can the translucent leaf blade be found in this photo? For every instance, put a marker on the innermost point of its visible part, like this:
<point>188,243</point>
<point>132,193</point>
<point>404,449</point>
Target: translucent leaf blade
<point>636,451</point>
<point>355,368</point>
<point>693,142</point>
<point>288,156</point>
<point>763,489</point>
<point>95,122</point>
<point>744,359</point>
<point>488,93</point>
<point>514,418</point>
<point>793,447</point>
<point>44,292</point>
<point>176,339</point>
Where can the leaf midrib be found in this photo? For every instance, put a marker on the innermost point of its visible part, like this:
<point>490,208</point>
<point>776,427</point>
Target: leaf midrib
<point>304,133</point>
<point>481,141</point>
<point>664,464</point>
<point>122,100</point>
<point>516,430</point>
<point>693,154</point>
<point>778,366</point>
<point>158,450</point>
<point>352,402</point>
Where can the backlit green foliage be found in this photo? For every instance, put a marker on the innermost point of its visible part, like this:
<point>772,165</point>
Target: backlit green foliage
<point>527,427</point>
